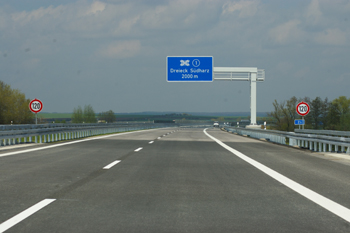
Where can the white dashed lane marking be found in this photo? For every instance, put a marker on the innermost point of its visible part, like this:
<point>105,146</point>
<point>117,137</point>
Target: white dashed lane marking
<point>112,164</point>
<point>24,214</point>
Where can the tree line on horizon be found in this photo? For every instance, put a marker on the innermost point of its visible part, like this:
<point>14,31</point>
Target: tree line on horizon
<point>14,109</point>
<point>14,106</point>
<point>88,115</point>
<point>324,114</point>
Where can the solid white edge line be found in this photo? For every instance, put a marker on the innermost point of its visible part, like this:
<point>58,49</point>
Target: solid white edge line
<point>138,149</point>
<point>112,164</point>
<point>24,214</point>
<point>326,203</point>
<point>67,143</point>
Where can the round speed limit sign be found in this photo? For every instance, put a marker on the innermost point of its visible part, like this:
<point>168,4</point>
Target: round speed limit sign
<point>303,108</point>
<point>35,105</point>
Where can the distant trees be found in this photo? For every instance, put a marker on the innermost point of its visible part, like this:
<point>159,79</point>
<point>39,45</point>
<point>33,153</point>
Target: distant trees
<point>89,114</point>
<point>14,107</point>
<point>84,116</point>
<point>108,116</point>
<point>339,114</point>
<point>323,114</point>
<point>284,114</point>
<point>77,116</point>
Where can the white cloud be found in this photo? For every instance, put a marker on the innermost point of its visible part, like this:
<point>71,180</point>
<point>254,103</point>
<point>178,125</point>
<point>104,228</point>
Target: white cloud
<point>126,25</point>
<point>313,13</point>
<point>244,7</point>
<point>120,49</point>
<point>23,18</point>
<point>287,32</point>
<point>96,7</point>
<point>332,36</point>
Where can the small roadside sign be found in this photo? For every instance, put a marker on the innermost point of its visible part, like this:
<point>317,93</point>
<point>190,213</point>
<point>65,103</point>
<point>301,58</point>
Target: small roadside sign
<point>35,105</point>
<point>299,122</point>
<point>303,108</point>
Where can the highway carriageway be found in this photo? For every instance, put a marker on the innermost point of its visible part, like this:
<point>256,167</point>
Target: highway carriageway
<point>172,180</point>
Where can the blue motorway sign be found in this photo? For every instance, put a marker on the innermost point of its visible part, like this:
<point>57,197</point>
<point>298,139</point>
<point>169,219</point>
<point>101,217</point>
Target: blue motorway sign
<point>299,122</point>
<point>189,69</point>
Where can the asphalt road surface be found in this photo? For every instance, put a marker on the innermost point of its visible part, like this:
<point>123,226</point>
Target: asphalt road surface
<point>172,180</point>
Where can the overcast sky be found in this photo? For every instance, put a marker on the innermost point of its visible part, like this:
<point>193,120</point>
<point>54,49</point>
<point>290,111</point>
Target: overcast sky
<point>112,53</point>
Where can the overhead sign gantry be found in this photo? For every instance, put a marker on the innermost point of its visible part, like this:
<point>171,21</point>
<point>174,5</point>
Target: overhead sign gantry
<point>201,69</point>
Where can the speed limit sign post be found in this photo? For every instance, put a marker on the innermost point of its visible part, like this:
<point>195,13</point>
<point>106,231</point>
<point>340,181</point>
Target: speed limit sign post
<point>36,106</point>
<point>303,109</point>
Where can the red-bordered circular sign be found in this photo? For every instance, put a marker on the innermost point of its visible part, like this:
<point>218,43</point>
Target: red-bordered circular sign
<point>35,105</point>
<point>303,108</point>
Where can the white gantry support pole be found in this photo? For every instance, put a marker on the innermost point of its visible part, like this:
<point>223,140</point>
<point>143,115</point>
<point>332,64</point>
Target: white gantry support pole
<point>251,74</point>
<point>253,98</point>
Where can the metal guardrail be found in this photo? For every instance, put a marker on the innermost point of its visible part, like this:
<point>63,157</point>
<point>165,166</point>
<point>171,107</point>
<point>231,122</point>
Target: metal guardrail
<point>324,132</point>
<point>320,143</point>
<point>65,125</point>
<point>57,132</point>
